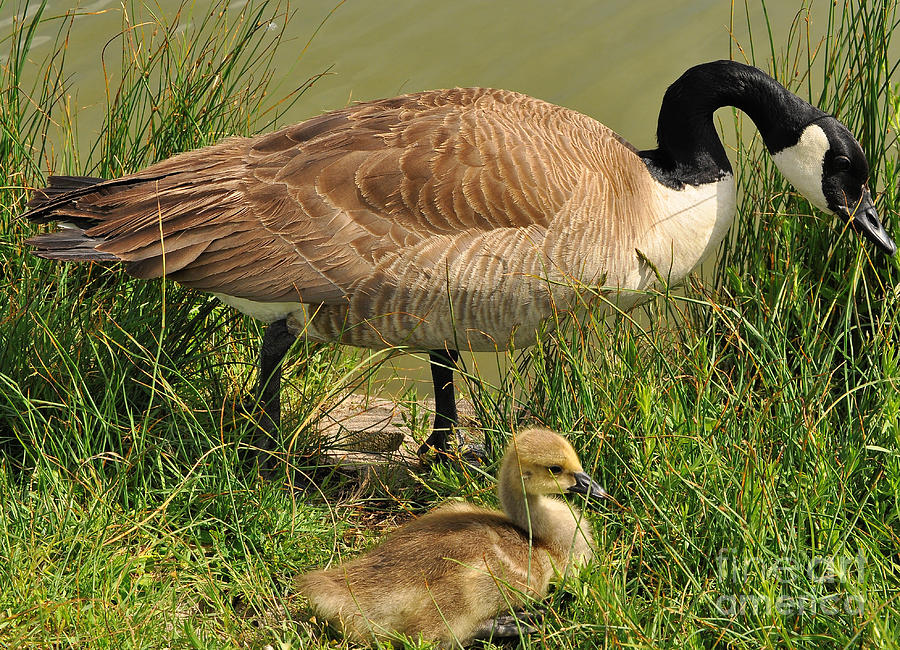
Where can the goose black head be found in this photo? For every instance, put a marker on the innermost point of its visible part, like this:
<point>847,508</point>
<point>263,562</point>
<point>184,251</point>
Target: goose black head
<point>827,165</point>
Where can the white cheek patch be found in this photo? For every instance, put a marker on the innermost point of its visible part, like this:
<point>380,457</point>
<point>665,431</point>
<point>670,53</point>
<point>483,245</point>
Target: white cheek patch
<point>802,165</point>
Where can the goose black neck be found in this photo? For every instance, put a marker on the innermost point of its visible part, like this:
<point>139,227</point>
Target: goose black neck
<point>690,151</point>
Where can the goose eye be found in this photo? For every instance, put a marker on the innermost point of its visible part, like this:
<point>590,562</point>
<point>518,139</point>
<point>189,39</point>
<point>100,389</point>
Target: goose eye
<point>842,163</point>
<point>555,469</point>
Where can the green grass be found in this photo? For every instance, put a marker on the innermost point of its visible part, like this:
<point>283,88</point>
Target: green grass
<point>749,428</point>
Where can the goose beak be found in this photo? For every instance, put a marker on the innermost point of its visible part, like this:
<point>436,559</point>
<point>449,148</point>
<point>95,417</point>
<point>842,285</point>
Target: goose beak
<point>584,484</point>
<point>864,220</point>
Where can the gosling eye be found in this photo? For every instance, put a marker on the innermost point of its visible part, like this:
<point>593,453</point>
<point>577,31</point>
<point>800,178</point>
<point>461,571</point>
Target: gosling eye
<point>842,163</point>
<point>555,469</point>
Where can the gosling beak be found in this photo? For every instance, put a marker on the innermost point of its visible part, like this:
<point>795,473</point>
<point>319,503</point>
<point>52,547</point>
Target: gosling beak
<point>864,220</point>
<point>584,484</point>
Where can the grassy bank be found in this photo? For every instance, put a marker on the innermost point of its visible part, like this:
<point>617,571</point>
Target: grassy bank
<point>749,429</point>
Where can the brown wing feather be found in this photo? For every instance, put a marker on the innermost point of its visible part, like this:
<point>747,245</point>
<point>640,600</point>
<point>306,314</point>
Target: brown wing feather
<point>308,212</point>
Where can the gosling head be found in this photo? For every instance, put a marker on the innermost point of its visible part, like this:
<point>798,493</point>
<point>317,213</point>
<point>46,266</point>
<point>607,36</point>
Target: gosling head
<point>827,165</point>
<point>547,464</point>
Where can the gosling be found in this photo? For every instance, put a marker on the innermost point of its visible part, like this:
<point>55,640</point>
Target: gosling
<point>445,576</point>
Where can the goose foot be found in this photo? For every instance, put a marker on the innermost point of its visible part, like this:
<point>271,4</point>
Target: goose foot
<point>474,454</point>
<point>470,453</point>
<point>512,625</point>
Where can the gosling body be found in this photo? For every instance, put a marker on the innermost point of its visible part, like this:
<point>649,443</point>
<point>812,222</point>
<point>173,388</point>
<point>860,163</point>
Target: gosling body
<point>444,576</point>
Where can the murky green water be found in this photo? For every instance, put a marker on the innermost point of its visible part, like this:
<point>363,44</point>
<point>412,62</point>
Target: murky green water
<point>611,59</point>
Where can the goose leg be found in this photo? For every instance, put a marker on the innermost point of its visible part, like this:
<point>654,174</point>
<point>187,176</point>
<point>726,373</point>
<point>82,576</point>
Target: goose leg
<point>445,418</point>
<point>277,340</point>
<point>443,363</point>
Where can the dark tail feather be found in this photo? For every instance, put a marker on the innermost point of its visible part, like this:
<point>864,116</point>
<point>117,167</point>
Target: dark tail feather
<point>60,193</point>
<point>56,202</point>
<point>69,245</point>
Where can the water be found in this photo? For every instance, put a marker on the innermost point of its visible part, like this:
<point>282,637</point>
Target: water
<point>611,60</point>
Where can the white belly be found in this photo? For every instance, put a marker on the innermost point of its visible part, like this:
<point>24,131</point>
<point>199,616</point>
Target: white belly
<point>267,312</point>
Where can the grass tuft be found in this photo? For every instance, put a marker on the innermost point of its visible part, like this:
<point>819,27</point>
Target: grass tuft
<point>748,426</point>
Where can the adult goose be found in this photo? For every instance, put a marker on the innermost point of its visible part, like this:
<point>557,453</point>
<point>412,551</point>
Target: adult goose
<point>449,219</point>
<point>446,575</point>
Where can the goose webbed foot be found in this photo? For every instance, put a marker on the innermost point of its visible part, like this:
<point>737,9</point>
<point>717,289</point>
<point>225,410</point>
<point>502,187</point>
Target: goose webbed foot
<point>473,453</point>
<point>470,453</point>
<point>512,625</point>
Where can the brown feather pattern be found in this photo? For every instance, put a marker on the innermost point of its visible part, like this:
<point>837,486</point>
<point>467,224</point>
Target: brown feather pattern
<point>415,219</point>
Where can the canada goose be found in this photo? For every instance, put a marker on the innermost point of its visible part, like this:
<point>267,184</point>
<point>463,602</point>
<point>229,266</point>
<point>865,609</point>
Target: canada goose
<point>448,219</point>
<point>445,575</point>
